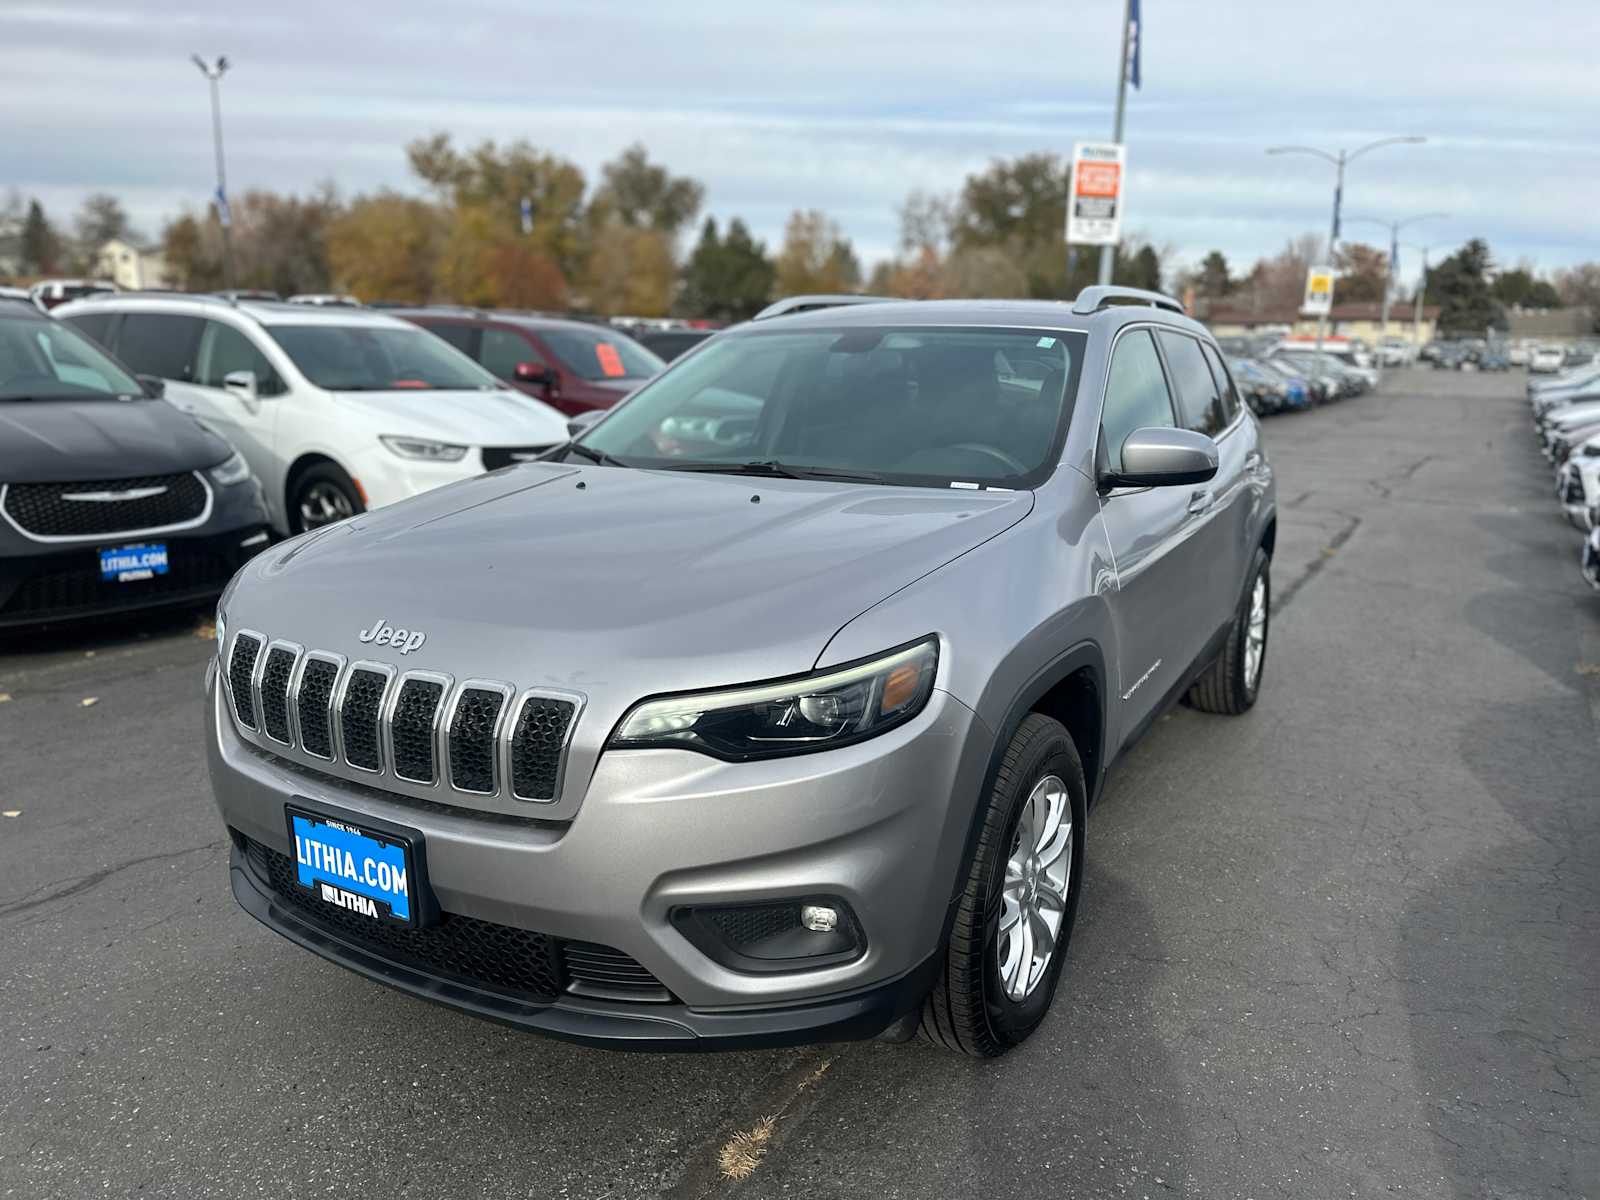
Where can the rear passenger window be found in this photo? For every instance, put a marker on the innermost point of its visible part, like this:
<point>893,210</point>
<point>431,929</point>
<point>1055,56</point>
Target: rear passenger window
<point>95,325</point>
<point>1225,388</point>
<point>1136,394</point>
<point>459,336</point>
<point>160,344</point>
<point>224,350</point>
<point>1198,400</point>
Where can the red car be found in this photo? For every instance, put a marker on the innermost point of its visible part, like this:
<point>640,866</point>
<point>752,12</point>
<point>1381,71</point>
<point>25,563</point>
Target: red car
<point>572,365</point>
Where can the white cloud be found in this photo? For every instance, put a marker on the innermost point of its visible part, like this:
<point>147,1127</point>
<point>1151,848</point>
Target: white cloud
<point>838,105</point>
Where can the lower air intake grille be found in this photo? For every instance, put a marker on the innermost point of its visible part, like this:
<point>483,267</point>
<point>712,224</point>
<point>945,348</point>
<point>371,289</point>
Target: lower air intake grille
<point>240,669</point>
<point>472,741</point>
<point>501,958</point>
<point>603,971</point>
<point>742,926</point>
<point>536,745</point>
<point>275,692</point>
<point>358,718</point>
<point>316,693</point>
<point>411,729</point>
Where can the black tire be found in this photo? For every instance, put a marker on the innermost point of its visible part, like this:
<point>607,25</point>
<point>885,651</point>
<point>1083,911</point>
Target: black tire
<point>1226,686</point>
<point>321,480</point>
<point>968,1010</point>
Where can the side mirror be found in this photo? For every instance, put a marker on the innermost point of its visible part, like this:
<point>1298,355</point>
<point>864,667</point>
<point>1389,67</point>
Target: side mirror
<point>153,386</point>
<point>534,373</point>
<point>1160,456</point>
<point>584,421</point>
<point>242,384</point>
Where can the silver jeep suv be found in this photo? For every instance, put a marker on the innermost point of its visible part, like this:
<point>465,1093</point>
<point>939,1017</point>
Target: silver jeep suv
<point>771,708</point>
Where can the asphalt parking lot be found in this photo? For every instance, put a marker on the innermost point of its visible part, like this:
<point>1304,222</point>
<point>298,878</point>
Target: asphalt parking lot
<point>1348,945</point>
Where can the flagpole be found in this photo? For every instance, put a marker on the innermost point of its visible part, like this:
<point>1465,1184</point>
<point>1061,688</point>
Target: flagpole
<point>1108,252</point>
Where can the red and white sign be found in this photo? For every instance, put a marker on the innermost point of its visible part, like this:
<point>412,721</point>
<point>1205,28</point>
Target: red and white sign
<point>1094,202</point>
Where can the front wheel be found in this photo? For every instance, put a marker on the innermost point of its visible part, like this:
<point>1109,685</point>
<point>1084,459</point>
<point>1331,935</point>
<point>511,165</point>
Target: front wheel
<point>1017,908</point>
<point>321,495</point>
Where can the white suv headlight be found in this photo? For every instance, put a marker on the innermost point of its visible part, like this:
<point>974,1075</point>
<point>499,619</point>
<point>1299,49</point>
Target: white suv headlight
<point>229,471</point>
<point>820,711</point>
<point>422,448</point>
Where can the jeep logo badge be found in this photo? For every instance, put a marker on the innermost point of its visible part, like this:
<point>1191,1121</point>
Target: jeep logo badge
<point>384,634</point>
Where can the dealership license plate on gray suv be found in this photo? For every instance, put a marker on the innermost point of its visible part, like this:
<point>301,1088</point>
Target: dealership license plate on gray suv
<point>362,871</point>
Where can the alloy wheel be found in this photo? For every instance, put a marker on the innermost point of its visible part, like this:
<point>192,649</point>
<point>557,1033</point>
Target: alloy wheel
<point>324,503</point>
<point>1255,641</point>
<point>1033,897</point>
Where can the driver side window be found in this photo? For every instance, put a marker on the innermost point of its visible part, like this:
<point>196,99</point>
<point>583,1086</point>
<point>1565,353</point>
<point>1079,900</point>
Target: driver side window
<point>225,349</point>
<point>1137,396</point>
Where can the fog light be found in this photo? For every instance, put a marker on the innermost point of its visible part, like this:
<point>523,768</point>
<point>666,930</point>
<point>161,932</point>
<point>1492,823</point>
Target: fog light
<point>819,918</point>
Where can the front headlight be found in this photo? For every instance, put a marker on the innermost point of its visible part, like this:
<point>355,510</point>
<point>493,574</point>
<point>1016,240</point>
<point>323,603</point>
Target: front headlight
<point>229,471</point>
<point>422,448</point>
<point>831,708</point>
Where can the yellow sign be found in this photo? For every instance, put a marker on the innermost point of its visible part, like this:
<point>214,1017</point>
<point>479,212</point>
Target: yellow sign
<point>1319,291</point>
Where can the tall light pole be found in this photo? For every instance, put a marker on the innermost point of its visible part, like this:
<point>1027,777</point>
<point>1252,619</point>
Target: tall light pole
<point>1422,287</point>
<point>213,72</point>
<point>1108,251</point>
<point>1394,228</point>
<point>1340,160</point>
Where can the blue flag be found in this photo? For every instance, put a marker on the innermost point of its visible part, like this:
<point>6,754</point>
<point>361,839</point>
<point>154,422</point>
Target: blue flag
<point>224,217</point>
<point>1133,42</point>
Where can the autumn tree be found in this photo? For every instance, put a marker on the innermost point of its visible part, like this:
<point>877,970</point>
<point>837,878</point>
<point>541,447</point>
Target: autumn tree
<point>816,256</point>
<point>486,188</point>
<point>642,195</point>
<point>386,247</point>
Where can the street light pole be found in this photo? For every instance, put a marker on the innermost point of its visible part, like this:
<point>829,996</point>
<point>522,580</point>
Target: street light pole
<point>1340,161</point>
<point>213,73</point>
<point>1422,288</point>
<point>1108,252</point>
<point>1394,228</point>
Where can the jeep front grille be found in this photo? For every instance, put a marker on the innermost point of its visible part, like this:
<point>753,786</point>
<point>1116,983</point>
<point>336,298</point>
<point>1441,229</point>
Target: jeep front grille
<point>422,730</point>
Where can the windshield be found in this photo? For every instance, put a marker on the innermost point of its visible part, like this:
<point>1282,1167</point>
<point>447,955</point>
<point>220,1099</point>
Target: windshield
<point>927,407</point>
<point>376,358</point>
<point>601,354</point>
<point>48,360</point>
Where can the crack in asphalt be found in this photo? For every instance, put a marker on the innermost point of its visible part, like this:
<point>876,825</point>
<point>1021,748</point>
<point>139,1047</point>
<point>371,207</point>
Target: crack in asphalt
<point>1281,601</point>
<point>77,885</point>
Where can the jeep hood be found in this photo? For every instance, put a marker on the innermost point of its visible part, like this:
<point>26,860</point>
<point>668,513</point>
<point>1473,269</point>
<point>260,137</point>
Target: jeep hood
<point>595,578</point>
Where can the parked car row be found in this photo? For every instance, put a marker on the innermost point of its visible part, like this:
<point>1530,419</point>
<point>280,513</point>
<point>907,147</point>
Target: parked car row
<point>1566,413</point>
<point>1281,375</point>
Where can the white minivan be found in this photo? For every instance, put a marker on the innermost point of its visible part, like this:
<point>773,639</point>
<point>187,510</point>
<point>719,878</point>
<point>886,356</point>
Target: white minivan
<point>337,410</point>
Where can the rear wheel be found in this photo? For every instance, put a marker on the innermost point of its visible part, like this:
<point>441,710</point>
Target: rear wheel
<point>321,495</point>
<point>1231,683</point>
<point>1016,911</point>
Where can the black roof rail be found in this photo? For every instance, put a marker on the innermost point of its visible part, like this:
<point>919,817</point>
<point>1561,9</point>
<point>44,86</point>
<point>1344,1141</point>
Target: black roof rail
<point>799,304</point>
<point>1101,296</point>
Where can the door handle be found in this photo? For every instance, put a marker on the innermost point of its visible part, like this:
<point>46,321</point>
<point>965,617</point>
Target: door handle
<point>1252,460</point>
<point>1200,501</point>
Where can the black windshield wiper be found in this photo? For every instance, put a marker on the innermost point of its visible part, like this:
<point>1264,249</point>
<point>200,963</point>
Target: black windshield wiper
<point>778,470</point>
<point>593,455</point>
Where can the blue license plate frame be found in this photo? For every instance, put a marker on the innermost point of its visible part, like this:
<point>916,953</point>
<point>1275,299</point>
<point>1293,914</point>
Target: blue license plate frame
<point>133,563</point>
<point>353,883</point>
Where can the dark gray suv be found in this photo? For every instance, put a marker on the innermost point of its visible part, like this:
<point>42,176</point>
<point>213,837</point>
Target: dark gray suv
<point>772,708</point>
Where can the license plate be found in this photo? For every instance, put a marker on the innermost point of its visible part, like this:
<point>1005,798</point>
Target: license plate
<point>124,564</point>
<point>363,871</point>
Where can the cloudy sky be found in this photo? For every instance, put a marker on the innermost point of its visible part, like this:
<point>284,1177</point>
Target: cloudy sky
<point>843,106</point>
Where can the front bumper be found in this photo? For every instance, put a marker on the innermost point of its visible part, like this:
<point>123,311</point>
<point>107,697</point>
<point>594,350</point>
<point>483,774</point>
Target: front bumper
<point>43,583</point>
<point>881,826</point>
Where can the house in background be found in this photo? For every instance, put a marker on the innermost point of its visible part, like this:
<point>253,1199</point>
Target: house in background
<point>131,267</point>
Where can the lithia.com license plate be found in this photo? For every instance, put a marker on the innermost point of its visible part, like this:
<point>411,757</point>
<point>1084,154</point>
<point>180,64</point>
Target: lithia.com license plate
<point>362,871</point>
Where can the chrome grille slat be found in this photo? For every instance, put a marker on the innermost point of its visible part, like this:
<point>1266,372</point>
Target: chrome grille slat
<point>430,735</point>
